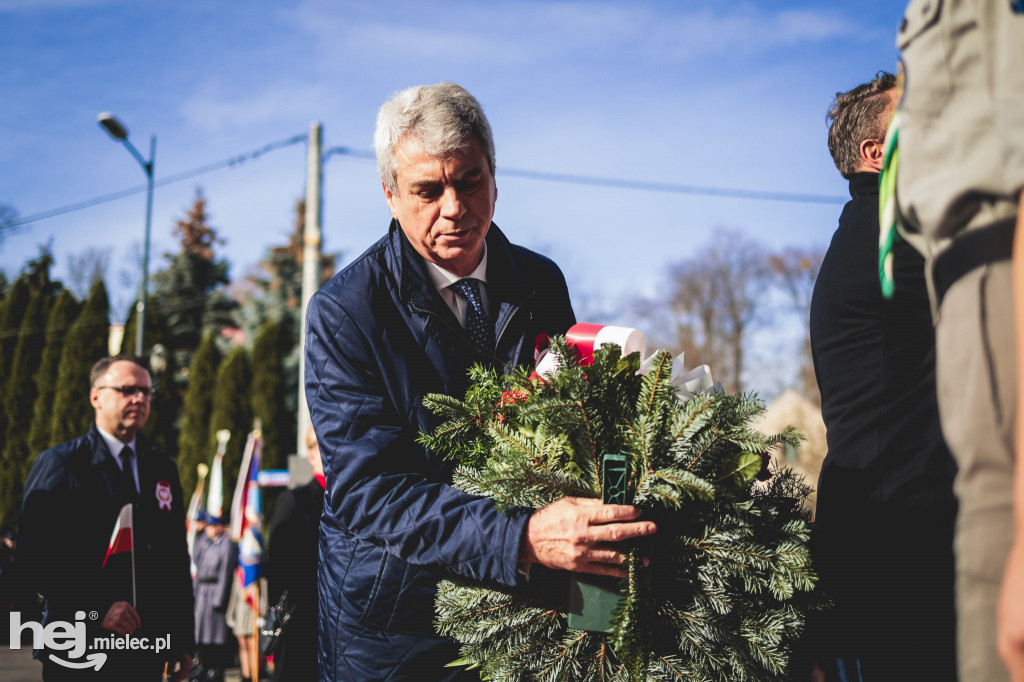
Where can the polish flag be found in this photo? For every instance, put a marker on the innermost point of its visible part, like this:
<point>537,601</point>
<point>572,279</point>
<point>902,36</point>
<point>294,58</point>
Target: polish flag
<point>122,542</point>
<point>121,539</point>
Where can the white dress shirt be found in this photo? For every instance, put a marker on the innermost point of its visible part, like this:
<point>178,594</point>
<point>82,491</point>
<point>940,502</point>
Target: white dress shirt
<point>443,281</point>
<point>116,446</point>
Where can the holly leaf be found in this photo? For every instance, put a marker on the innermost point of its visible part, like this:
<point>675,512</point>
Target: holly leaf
<point>739,469</point>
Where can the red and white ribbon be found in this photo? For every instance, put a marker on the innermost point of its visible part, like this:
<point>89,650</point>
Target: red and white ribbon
<point>586,338</point>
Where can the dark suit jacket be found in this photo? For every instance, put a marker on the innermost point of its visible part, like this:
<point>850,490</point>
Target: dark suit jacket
<point>291,566</point>
<point>72,500</point>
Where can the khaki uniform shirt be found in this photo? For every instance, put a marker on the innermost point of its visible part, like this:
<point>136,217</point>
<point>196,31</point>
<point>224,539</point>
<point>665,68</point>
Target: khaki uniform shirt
<point>962,118</point>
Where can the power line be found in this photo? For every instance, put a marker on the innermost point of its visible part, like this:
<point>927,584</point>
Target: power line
<point>618,183</point>
<point>614,183</point>
<point>732,193</point>
<point>231,162</point>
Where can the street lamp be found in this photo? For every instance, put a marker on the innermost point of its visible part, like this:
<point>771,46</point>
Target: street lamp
<point>120,133</point>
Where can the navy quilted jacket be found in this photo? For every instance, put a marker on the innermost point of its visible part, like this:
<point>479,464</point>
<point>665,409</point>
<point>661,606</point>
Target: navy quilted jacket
<point>378,338</point>
<point>72,499</point>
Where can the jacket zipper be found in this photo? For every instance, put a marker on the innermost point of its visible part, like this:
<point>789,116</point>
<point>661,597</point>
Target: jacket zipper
<point>508,320</point>
<point>459,331</point>
<point>462,332</point>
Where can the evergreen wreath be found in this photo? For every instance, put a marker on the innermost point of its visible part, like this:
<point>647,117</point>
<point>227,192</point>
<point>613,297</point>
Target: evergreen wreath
<point>730,580</point>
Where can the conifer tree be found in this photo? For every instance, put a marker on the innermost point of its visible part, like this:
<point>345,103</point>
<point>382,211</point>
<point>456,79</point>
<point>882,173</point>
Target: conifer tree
<point>34,280</point>
<point>15,304</point>
<point>165,406</point>
<point>18,398</point>
<point>191,289</point>
<point>20,393</point>
<point>231,410</point>
<point>278,281</point>
<point>155,327</point>
<point>11,313</point>
<point>86,342</point>
<point>268,395</point>
<point>194,438</point>
<point>275,293</point>
<point>37,272</point>
<point>62,314</point>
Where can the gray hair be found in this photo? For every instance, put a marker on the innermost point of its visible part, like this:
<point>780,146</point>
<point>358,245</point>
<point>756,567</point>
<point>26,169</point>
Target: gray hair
<point>443,117</point>
<point>855,116</point>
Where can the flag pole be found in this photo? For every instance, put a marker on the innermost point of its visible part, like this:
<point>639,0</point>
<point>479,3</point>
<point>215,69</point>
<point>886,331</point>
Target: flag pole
<point>131,519</point>
<point>256,634</point>
<point>193,511</point>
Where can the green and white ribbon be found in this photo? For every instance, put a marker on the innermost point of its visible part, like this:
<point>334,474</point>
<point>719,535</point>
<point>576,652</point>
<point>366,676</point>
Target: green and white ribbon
<point>888,215</point>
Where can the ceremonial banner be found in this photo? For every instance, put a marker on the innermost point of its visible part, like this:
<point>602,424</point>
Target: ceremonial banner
<point>215,499</point>
<point>239,499</point>
<point>194,510</point>
<point>247,518</point>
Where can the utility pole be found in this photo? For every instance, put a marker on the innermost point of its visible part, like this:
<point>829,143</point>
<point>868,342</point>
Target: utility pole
<point>312,272</point>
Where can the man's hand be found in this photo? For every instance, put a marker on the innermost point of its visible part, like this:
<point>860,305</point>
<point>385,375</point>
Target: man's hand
<point>121,618</point>
<point>186,665</point>
<point>570,534</point>
<point>1011,614</point>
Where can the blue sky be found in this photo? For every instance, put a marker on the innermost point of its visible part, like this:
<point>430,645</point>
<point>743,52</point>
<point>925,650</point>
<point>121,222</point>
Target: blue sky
<point>696,93</point>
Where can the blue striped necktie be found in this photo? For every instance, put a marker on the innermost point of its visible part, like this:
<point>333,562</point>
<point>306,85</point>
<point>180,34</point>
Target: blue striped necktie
<point>477,322</point>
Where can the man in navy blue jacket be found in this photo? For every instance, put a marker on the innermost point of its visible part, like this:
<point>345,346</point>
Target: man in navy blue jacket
<point>72,499</point>
<point>442,290</point>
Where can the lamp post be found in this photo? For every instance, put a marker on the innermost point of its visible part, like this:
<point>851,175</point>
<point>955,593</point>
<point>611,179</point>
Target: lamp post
<point>120,133</point>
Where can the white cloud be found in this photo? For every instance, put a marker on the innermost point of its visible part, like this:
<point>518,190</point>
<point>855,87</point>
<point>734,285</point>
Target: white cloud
<point>746,31</point>
<point>212,109</point>
<point>34,5</point>
<point>536,32</point>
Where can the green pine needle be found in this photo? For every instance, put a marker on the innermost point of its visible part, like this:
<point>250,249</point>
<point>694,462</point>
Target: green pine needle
<point>730,580</point>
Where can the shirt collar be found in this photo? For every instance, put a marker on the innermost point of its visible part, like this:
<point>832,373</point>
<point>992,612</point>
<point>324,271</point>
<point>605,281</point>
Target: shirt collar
<point>443,278</point>
<point>114,445</point>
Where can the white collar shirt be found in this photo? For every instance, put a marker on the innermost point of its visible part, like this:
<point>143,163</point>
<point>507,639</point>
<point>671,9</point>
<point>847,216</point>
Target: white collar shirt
<point>115,446</point>
<point>443,281</point>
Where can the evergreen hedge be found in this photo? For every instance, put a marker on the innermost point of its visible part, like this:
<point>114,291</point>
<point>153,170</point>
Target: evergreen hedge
<point>194,438</point>
<point>232,410</point>
<point>86,343</point>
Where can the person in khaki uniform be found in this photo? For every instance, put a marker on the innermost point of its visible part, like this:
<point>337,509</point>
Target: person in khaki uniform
<point>960,174</point>
<point>1011,600</point>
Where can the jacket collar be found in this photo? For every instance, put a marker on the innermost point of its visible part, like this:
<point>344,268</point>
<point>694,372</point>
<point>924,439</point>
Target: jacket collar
<point>506,282</point>
<point>864,184</point>
<point>101,453</point>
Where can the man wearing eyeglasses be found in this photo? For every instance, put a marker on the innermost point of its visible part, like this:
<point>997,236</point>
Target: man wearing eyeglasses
<point>73,496</point>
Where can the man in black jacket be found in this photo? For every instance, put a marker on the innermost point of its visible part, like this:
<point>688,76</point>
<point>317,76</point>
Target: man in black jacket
<point>73,496</point>
<point>885,509</point>
<point>442,290</point>
<point>291,569</point>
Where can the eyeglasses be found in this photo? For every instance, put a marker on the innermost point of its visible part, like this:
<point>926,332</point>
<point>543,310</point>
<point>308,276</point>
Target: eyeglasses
<point>132,391</point>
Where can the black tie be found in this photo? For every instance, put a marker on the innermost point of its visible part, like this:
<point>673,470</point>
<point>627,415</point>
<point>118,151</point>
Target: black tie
<point>477,323</point>
<point>127,477</point>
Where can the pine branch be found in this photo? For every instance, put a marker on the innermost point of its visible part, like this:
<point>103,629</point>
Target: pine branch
<point>732,572</point>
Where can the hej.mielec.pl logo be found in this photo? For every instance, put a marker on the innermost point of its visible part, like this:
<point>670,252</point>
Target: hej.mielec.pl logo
<point>61,635</point>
